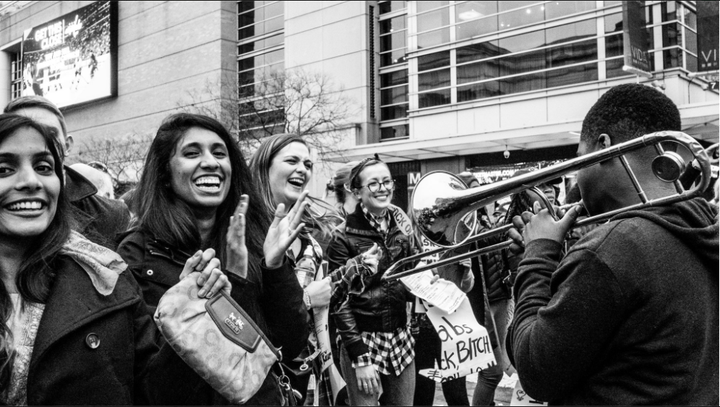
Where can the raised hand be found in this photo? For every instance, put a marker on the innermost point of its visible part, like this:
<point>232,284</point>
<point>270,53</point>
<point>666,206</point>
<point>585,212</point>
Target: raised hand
<point>211,279</point>
<point>237,254</point>
<point>285,228</point>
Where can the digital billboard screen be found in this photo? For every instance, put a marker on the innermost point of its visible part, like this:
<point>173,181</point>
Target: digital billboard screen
<point>72,59</point>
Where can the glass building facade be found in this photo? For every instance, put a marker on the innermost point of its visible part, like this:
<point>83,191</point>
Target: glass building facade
<point>261,51</point>
<point>445,53</point>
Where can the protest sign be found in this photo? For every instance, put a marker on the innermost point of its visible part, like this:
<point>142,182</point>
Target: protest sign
<point>465,344</point>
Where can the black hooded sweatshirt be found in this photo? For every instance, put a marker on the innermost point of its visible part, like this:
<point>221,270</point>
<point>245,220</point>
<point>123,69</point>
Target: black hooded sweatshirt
<point>628,316</point>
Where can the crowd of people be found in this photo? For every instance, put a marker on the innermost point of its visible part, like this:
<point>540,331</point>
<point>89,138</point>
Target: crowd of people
<point>624,312</point>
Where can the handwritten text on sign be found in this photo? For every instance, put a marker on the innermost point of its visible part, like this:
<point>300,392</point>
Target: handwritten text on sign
<point>465,343</point>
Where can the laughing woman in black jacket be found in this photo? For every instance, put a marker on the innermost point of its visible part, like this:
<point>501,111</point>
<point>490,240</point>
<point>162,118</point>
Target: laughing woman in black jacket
<point>191,185</point>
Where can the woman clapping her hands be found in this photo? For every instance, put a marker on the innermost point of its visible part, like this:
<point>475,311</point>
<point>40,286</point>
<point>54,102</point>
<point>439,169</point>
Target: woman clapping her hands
<point>196,193</point>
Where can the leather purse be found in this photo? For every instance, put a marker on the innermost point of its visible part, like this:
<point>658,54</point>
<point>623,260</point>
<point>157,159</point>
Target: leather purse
<point>217,339</point>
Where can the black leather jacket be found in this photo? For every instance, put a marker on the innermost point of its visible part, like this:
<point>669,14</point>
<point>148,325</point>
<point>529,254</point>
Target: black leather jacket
<point>381,305</point>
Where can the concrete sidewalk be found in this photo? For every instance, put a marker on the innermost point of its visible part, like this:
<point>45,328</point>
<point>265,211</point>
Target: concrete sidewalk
<point>502,394</point>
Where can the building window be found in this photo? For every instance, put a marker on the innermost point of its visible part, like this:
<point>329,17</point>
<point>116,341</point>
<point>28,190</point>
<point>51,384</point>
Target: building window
<point>393,44</point>
<point>434,79</point>
<point>503,48</point>
<point>16,74</point>
<point>433,26</point>
<point>395,132</point>
<point>393,73</point>
<point>679,36</point>
<point>261,53</point>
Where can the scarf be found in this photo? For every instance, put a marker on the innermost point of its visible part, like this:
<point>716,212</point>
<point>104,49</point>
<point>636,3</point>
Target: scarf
<point>102,265</point>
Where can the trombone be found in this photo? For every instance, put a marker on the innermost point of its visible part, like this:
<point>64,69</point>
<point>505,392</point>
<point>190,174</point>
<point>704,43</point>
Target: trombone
<point>444,220</point>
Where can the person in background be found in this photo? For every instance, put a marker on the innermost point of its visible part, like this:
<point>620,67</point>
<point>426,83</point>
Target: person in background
<point>491,303</point>
<point>428,347</point>
<point>73,328</point>
<point>630,314</point>
<point>283,168</point>
<point>345,201</point>
<point>194,191</point>
<point>102,181</point>
<point>109,184</point>
<point>99,219</point>
<point>376,345</point>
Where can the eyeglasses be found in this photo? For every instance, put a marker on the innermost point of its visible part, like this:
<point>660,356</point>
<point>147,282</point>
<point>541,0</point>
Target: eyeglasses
<point>375,186</point>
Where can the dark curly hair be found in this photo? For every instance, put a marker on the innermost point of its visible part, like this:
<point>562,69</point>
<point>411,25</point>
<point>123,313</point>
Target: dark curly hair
<point>629,111</point>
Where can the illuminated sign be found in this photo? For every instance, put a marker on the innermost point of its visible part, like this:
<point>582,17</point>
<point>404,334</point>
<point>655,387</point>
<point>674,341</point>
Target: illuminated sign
<point>73,59</point>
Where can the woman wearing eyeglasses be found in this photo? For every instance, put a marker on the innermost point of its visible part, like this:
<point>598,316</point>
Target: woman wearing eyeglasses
<point>376,352</point>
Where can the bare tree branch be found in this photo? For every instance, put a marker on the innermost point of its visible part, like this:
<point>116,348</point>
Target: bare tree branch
<point>296,101</point>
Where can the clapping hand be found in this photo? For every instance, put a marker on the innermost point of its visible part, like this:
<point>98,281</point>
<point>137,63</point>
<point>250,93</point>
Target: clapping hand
<point>285,228</point>
<point>211,279</point>
<point>237,254</point>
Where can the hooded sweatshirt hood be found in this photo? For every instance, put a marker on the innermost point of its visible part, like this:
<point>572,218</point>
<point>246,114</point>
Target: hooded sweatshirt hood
<point>694,222</point>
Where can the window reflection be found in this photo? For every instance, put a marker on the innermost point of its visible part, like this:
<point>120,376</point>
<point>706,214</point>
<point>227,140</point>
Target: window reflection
<point>521,42</point>
<point>521,17</point>
<point>510,5</point>
<point>613,45</point>
<point>613,68</point>
<point>478,72</point>
<point>433,79</point>
<point>393,24</point>
<point>392,41</point>
<point>570,32</point>
<point>393,132</point>
<point>390,6</point>
<point>436,60</point>
<point>433,38</point>
<point>434,98</point>
<point>429,5</point>
<point>433,19</point>
<point>478,91</point>
<point>473,10</point>
<point>393,112</point>
<point>475,52</point>
<point>613,23</point>
<point>393,78</point>
<point>476,28</point>
<point>394,95</point>
<point>556,9</point>
<point>393,57</point>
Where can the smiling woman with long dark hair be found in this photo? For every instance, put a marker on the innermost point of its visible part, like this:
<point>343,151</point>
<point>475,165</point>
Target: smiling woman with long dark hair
<point>194,179</point>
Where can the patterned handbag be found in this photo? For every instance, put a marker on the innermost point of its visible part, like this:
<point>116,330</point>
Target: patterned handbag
<point>217,339</point>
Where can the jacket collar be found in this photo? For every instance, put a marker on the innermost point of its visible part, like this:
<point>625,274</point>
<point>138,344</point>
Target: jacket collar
<point>77,187</point>
<point>74,302</point>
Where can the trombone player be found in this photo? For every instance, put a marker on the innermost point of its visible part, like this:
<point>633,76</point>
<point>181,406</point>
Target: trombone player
<point>630,314</point>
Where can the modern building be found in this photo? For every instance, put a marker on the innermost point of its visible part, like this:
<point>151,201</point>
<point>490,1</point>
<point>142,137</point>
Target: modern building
<point>457,85</point>
<point>485,86</point>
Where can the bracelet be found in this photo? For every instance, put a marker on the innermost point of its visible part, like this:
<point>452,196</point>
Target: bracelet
<point>306,299</point>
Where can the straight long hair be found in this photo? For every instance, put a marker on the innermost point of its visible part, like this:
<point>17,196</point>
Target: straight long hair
<point>36,274</point>
<point>319,215</point>
<point>170,219</point>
